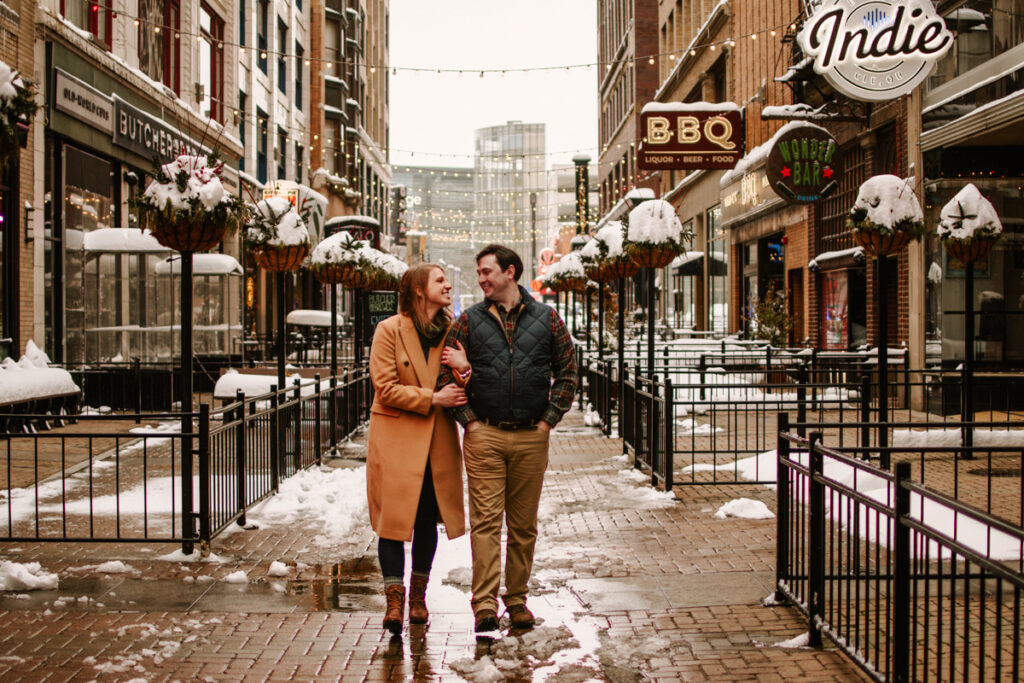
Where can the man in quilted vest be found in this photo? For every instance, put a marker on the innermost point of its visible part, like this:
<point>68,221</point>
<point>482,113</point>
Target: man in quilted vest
<point>523,379</point>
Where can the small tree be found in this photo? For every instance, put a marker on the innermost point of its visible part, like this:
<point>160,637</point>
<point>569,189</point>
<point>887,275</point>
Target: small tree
<point>770,320</point>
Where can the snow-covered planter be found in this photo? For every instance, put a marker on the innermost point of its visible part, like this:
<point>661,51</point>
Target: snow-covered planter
<point>969,225</point>
<point>654,235</point>
<point>187,208</point>
<point>278,236</point>
<point>886,215</point>
<point>604,256</point>
<point>17,107</point>
<point>568,275</point>
<point>386,270</point>
<point>334,259</point>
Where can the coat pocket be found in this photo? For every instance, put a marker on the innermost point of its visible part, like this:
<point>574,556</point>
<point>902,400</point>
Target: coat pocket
<point>382,409</point>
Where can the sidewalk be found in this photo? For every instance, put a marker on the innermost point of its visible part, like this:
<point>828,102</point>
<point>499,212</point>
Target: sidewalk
<point>631,584</point>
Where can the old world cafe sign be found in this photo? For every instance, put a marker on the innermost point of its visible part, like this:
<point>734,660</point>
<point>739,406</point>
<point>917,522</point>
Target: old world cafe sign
<point>875,50</point>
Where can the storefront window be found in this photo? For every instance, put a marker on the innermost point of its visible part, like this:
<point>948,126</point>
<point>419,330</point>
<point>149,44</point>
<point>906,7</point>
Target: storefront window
<point>998,281</point>
<point>983,29</point>
<point>88,205</point>
<point>211,63</point>
<point>718,285</point>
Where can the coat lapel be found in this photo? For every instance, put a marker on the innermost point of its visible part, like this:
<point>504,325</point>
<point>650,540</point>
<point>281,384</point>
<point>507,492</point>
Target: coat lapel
<point>411,341</point>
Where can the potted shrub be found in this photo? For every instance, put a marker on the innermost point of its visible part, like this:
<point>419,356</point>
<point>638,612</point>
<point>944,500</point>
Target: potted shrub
<point>654,235</point>
<point>186,207</point>
<point>17,107</point>
<point>607,261</point>
<point>969,225</point>
<point>277,235</point>
<point>886,215</point>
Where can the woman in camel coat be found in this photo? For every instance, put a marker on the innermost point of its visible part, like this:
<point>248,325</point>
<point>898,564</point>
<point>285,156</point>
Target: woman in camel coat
<point>414,463</point>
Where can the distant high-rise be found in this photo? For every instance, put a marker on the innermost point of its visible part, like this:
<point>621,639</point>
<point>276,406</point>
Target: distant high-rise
<point>510,186</point>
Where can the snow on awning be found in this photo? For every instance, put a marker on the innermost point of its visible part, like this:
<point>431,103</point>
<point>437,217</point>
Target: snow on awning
<point>202,264</point>
<point>304,316</point>
<point>837,259</point>
<point>122,240</point>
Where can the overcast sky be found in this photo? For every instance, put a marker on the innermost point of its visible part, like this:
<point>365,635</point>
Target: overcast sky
<point>439,113</point>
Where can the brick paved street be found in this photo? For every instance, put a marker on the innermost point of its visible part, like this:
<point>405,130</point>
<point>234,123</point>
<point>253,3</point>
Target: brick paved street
<point>631,584</point>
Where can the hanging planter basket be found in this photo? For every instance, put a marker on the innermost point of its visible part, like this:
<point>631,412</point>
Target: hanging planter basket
<point>281,259</point>
<point>969,251</point>
<point>878,243</point>
<point>573,283</point>
<point>355,277</point>
<point>652,254</point>
<point>593,271</point>
<point>618,267</point>
<point>329,273</point>
<point>188,234</point>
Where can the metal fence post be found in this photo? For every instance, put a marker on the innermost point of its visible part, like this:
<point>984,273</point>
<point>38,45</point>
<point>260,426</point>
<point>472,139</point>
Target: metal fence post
<point>801,398</point>
<point>782,507</point>
<point>670,444</point>
<point>652,432</point>
<point>865,416</point>
<point>901,577</point>
<point>317,407</point>
<point>240,446</point>
<point>297,428</point>
<point>622,407</point>
<point>275,441</point>
<point>816,543</point>
<point>137,368</point>
<point>701,368</point>
<point>204,479</point>
<point>334,413</point>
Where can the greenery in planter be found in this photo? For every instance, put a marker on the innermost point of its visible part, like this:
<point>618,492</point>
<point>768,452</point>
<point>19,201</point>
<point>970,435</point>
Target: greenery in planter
<point>276,223</point>
<point>17,107</point>
<point>186,206</point>
<point>969,216</point>
<point>886,204</point>
<point>770,320</point>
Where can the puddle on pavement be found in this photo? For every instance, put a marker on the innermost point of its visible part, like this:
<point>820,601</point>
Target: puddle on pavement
<point>322,595</point>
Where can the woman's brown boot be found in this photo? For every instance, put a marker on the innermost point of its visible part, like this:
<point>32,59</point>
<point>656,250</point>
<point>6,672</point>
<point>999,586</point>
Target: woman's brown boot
<point>395,595</point>
<point>418,613</point>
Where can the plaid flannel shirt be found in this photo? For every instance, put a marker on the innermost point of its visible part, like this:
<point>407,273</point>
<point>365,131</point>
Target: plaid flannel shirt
<point>563,364</point>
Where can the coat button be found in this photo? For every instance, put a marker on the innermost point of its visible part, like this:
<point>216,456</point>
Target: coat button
<point>406,363</point>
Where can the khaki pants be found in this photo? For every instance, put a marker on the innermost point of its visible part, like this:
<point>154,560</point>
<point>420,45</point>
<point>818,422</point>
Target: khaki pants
<point>505,471</point>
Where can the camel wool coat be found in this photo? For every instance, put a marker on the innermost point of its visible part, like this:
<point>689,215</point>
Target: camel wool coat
<point>405,429</point>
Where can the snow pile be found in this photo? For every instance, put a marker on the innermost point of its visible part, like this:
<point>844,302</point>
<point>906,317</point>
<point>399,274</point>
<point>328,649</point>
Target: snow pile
<point>611,236</point>
<point>31,377</point>
<point>802,640</point>
<point>189,180</point>
<point>514,657</point>
<point>338,248</point>
<point>237,577</point>
<point>459,576</point>
<point>127,240</point>
<point>10,83</point>
<point>256,385</point>
<point>334,500</point>
<point>932,438</point>
<point>690,427</point>
<point>278,568</point>
<point>592,418</point>
<point>887,203</point>
<point>744,508</point>
<point>969,215</point>
<point>654,221</point>
<point>15,576</point>
<point>115,567</point>
<point>277,224</point>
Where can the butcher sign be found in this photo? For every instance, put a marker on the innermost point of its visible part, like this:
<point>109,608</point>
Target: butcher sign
<point>875,50</point>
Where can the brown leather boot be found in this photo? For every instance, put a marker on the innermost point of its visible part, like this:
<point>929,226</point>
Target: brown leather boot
<point>418,613</point>
<point>395,595</point>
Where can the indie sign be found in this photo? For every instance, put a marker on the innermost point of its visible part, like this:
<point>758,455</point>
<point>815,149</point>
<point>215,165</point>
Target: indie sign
<point>696,136</point>
<point>802,164</point>
<point>875,50</point>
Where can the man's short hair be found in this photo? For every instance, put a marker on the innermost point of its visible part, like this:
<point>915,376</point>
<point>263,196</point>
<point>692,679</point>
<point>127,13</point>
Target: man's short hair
<point>504,256</point>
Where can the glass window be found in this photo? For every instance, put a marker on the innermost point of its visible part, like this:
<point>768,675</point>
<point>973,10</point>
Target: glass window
<point>983,29</point>
<point>261,146</point>
<point>242,127</point>
<point>299,71</point>
<point>718,284</point>
<point>261,34</point>
<point>211,63</point>
<point>282,153</point>
<point>95,16</point>
<point>282,62</point>
<point>299,151</point>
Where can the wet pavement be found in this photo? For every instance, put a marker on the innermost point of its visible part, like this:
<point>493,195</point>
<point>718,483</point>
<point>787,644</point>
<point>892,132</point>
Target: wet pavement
<point>629,584</point>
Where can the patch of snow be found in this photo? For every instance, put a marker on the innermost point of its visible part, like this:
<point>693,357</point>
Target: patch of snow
<point>237,577</point>
<point>30,576</point>
<point>968,215</point>
<point>888,201</point>
<point>115,567</point>
<point>744,508</point>
<point>654,221</point>
<point>278,568</point>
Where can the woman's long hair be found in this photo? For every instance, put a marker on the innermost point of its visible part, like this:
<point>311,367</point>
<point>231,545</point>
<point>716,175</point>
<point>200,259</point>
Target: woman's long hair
<point>412,301</point>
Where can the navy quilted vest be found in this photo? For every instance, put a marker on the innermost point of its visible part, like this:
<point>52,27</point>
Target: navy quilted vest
<point>510,382</point>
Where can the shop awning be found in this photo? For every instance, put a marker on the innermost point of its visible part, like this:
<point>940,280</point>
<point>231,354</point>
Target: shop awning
<point>123,241</point>
<point>305,316</point>
<point>844,258</point>
<point>202,264</point>
<point>692,263</point>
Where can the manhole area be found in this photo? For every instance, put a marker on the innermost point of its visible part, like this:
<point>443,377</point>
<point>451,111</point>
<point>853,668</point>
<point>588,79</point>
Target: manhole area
<point>996,472</point>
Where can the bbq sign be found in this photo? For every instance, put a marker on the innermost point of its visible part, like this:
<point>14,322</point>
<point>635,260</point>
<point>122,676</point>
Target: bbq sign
<point>802,164</point>
<point>679,136</point>
<point>875,50</point>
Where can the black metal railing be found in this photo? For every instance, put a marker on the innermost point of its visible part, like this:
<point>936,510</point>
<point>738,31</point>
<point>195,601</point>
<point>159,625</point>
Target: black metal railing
<point>646,427</point>
<point>103,483</point>
<point>911,583</point>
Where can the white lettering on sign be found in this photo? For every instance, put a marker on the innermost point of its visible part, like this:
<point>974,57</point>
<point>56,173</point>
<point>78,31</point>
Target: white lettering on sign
<point>84,102</point>
<point>875,50</point>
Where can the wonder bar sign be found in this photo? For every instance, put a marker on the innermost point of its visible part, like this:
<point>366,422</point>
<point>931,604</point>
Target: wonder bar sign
<point>679,136</point>
<point>875,50</point>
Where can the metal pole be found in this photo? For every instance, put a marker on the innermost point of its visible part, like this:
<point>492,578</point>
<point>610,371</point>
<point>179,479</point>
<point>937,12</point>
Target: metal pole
<point>281,350</point>
<point>621,352</point>
<point>357,309</point>
<point>334,367</point>
<point>967,374</point>
<point>650,322</point>
<point>883,356</point>
<point>600,320</point>
<point>187,516</point>
<point>587,316</point>
<point>533,233</point>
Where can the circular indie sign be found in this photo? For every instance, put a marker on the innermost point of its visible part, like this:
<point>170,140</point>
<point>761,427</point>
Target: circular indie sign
<point>875,50</point>
<point>803,164</point>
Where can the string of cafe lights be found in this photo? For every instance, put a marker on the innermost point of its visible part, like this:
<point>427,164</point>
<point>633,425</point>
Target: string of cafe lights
<point>266,53</point>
